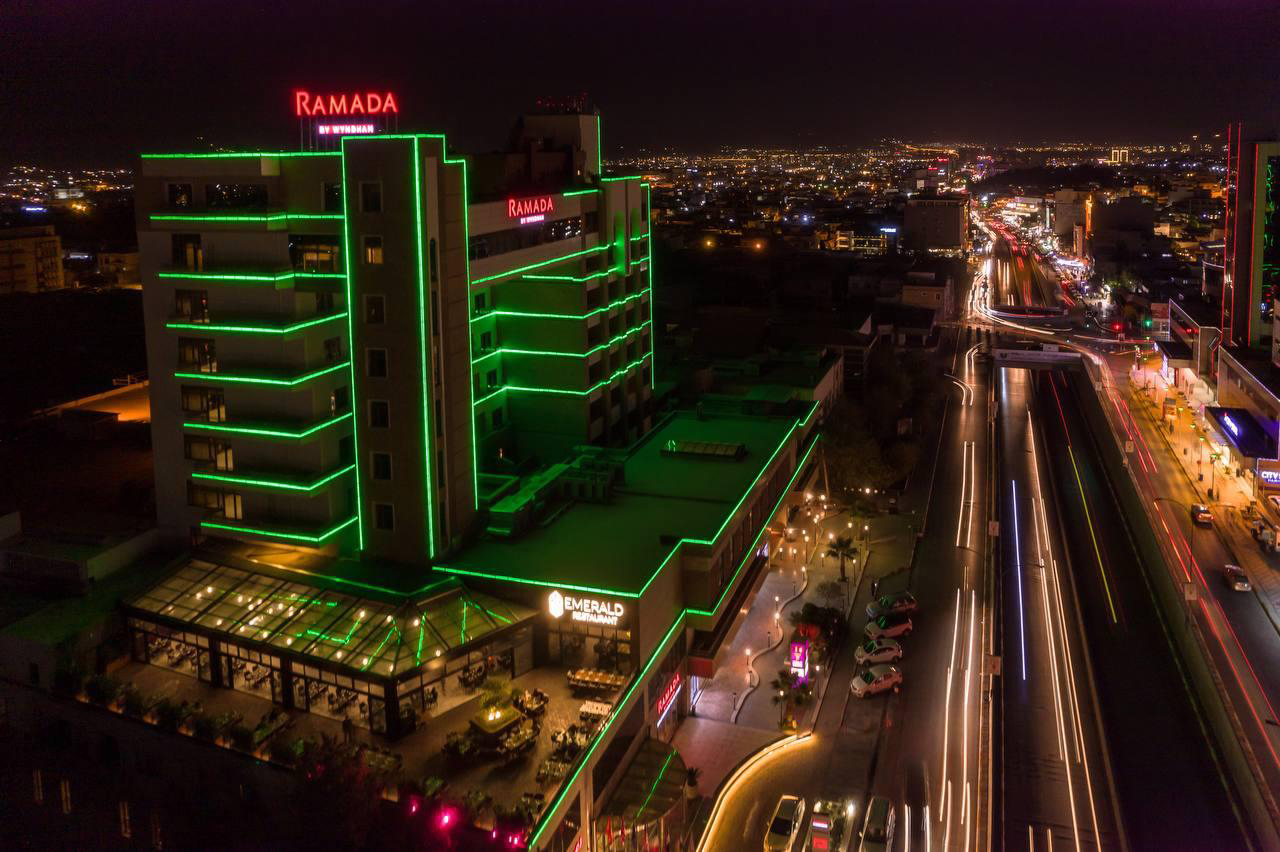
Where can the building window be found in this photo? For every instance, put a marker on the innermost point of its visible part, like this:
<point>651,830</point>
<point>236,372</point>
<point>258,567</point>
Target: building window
<point>191,305</point>
<point>381,464</point>
<point>376,363</point>
<point>497,418</point>
<point>486,341</point>
<point>431,259</point>
<point>375,308</point>
<point>179,196</point>
<point>325,303</point>
<point>315,252</point>
<point>514,239</point>
<point>126,826</point>
<point>208,452</point>
<point>187,253</point>
<point>197,353</point>
<point>37,786</point>
<point>384,516</point>
<point>346,449</point>
<point>331,197</point>
<point>340,401</point>
<point>206,404</point>
<point>333,350</point>
<point>373,250</point>
<point>491,379</point>
<point>370,197</point>
<point>222,196</point>
<point>479,301</point>
<point>379,414</point>
<point>64,789</point>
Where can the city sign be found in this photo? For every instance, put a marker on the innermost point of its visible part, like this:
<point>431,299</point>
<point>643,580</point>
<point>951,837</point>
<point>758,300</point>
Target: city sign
<point>799,659</point>
<point>344,129</point>
<point>306,104</point>
<point>530,210</point>
<point>585,609</point>
<point>1270,477</point>
<point>1231,425</point>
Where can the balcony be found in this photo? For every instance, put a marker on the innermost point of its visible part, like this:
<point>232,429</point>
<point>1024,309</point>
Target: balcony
<point>301,483</point>
<point>269,377</point>
<point>242,219</point>
<point>311,535</point>
<point>277,277</point>
<point>282,430</point>
<point>262,325</point>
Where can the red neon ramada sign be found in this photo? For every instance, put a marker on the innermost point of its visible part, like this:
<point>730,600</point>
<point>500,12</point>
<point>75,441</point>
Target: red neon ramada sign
<point>529,210</point>
<point>306,104</point>
<point>669,694</point>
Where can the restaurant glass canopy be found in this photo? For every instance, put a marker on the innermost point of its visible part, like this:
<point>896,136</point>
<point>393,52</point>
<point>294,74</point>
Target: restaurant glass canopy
<point>366,635</point>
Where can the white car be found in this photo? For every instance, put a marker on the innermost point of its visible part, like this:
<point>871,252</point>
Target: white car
<point>876,680</point>
<point>878,651</point>
<point>788,817</point>
<point>877,829</point>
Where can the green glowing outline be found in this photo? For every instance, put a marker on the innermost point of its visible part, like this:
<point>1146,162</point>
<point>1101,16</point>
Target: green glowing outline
<point>259,380</point>
<point>281,485</point>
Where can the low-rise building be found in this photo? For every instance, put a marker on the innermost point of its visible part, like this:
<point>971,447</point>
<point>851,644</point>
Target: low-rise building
<point>30,260</point>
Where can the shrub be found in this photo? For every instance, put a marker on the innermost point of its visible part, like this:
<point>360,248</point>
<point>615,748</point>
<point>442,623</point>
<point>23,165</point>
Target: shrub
<point>204,726</point>
<point>241,737</point>
<point>102,689</point>
<point>134,704</point>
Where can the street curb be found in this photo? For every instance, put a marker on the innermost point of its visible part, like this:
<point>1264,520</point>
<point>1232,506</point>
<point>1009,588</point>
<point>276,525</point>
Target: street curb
<point>760,753</point>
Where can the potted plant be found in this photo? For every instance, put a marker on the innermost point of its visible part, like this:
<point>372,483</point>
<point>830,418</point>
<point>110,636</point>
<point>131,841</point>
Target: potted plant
<point>475,803</point>
<point>242,737</point>
<point>101,690</point>
<point>204,726</point>
<point>691,782</point>
<point>133,702</point>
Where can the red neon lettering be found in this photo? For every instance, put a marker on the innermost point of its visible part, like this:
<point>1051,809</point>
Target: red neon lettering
<point>517,207</point>
<point>369,103</point>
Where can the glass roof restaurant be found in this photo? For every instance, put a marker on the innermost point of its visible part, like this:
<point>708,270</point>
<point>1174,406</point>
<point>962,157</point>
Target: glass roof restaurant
<point>403,409</point>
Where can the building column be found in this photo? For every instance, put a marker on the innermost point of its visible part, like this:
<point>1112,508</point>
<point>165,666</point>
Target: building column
<point>395,727</point>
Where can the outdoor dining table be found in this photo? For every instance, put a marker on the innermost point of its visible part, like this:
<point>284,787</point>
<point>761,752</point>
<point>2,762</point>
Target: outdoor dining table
<point>595,679</point>
<point>594,709</point>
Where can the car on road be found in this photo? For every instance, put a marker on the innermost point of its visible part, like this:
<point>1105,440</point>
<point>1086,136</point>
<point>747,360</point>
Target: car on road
<point>876,680</point>
<point>877,828</point>
<point>1200,514</point>
<point>888,627</point>
<point>878,651</point>
<point>788,816</point>
<point>1235,578</point>
<point>893,603</point>
<point>1275,501</point>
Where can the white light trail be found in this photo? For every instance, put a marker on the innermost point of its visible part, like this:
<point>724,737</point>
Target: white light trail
<point>1017,560</point>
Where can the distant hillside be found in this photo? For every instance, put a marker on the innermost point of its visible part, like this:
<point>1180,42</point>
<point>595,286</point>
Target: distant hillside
<point>1044,179</point>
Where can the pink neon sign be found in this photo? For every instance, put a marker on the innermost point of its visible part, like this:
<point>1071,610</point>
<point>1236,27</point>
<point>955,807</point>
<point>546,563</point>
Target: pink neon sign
<point>354,103</point>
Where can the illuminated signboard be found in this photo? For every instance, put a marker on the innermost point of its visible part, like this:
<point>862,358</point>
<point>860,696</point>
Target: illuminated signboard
<point>344,129</point>
<point>1231,425</point>
<point>530,210</point>
<point>669,696</point>
<point>800,660</point>
<point>306,104</point>
<point>589,610</point>
<point>1269,477</point>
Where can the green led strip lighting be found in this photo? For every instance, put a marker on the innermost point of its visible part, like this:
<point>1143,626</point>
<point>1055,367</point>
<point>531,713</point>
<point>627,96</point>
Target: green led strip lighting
<point>508,273</point>
<point>424,340</point>
<point>240,217</point>
<point>260,380</point>
<point>599,148</point>
<point>538,315</point>
<point>586,354</point>
<point>620,707</point>
<point>640,237</point>
<point>653,361</point>
<point>574,278</point>
<point>620,177</point>
<point>251,277</point>
<point>228,155</point>
<point>351,338</point>
<point>309,539</point>
<point>277,484</point>
<point>662,773</point>
<point>563,391</point>
<point>242,328</point>
<point>265,432</point>
<point>580,192</point>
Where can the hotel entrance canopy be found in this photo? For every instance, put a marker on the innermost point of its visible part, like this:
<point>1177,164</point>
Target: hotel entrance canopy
<point>321,626</point>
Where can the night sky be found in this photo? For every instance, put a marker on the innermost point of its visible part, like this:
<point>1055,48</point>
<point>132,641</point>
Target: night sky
<point>92,82</point>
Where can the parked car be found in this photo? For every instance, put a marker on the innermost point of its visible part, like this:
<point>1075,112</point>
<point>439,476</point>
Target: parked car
<point>1200,514</point>
<point>788,816</point>
<point>895,602</point>
<point>888,627</point>
<point>877,828</point>
<point>878,651</point>
<point>876,680</point>
<point>1235,578</point>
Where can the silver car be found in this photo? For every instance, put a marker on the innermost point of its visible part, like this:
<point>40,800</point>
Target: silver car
<point>880,650</point>
<point>875,680</point>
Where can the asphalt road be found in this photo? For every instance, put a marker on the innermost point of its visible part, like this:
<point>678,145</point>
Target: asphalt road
<point>1172,789</point>
<point>1056,790</point>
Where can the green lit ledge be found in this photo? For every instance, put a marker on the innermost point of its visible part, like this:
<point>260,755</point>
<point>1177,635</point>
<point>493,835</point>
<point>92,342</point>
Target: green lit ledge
<point>244,218</point>
<point>563,391</point>
<point>283,533</point>
<point>541,315</point>
<point>587,354</point>
<point>577,279</point>
<point>580,192</point>
<point>255,327</point>
<point>275,381</point>
<point>540,264</point>
<point>231,155</point>
<point>267,430</point>
<point>274,482</point>
<point>280,280</point>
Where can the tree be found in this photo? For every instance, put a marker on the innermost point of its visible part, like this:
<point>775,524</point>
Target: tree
<point>842,548</point>
<point>781,687</point>
<point>830,591</point>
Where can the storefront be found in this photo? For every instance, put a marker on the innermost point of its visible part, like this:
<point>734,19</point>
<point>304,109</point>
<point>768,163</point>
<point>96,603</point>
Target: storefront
<point>589,631</point>
<point>1244,444</point>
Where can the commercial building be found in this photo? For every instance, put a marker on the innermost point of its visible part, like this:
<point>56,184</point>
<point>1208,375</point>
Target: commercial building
<point>402,409</point>
<point>30,260</point>
<point>1252,234</point>
<point>936,224</point>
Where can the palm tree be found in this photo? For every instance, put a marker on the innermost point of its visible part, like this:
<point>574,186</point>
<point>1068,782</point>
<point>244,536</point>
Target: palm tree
<point>843,548</point>
<point>782,687</point>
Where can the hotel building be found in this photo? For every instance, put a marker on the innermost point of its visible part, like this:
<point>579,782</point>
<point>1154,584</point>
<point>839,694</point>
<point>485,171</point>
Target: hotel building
<point>403,416</point>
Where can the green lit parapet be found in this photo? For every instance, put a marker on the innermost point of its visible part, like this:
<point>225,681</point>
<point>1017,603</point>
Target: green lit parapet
<point>295,534</point>
<point>289,431</point>
<point>275,380</point>
<point>281,280</point>
<point>258,326</point>
<point>303,483</point>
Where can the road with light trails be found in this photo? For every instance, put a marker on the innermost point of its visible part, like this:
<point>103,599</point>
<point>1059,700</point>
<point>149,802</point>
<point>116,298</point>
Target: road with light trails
<point>1057,791</point>
<point>1170,779</point>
